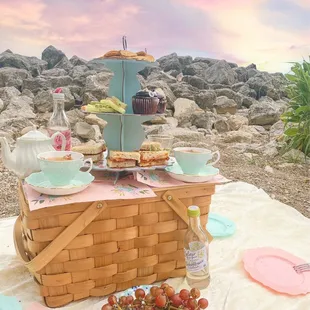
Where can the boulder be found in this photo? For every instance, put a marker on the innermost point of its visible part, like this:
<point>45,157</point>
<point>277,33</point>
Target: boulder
<point>196,69</point>
<point>7,93</point>
<point>75,116</point>
<point>245,90</point>
<point>13,77</point>
<point>36,84</point>
<point>242,74</point>
<point>295,156</point>
<point>36,65</point>
<point>238,137</point>
<point>236,121</point>
<point>183,90</point>
<point>14,61</point>
<point>276,130</point>
<point>52,56</point>
<point>43,101</point>
<point>65,64</point>
<point>263,113</point>
<point>195,81</point>
<point>60,81</point>
<point>54,72</point>
<point>28,93</point>
<point>185,60</point>
<point>202,120</point>
<point>84,131</point>
<point>98,84</point>
<point>185,135</point>
<point>225,105</point>
<point>77,61</point>
<point>170,62</point>
<point>221,125</point>
<point>1,105</point>
<point>205,99</point>
<point>229,93</point>
<point>221,73</point>
<point>183,108</point>
<point>92,119</point>
<point>248,101</point>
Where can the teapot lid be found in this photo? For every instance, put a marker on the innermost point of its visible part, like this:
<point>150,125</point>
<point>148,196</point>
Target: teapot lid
<point>34,135</point>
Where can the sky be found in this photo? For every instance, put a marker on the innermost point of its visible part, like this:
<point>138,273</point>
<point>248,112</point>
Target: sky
<point>269,33</point>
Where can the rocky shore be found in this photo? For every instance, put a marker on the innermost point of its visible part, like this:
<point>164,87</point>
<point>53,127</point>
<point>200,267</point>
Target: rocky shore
<point>210,103</point>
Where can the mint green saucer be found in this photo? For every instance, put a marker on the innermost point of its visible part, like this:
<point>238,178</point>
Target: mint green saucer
<point>41,184</point>
<point>205,175</point>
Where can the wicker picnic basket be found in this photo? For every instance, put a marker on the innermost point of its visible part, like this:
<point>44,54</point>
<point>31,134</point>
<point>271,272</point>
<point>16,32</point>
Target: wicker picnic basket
<point>96,248</point>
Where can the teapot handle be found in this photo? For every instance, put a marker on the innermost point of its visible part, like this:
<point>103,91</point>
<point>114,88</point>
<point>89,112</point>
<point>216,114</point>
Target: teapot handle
<point>63,139</point>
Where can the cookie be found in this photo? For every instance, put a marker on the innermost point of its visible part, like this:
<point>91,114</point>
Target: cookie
<point>141,53</point>
<point>128,54</point>
<point>112,53</point>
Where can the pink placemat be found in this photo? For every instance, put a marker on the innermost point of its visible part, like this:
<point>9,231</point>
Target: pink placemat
<point>162,179</point>
<point>103,189</point>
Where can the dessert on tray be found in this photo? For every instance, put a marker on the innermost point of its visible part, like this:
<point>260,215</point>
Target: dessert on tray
<point>118,159</point>
<point>108,105</point>
<point>91,150</point>
<point>145,102</point>
<point>124,54</point>
<point>150,146</point>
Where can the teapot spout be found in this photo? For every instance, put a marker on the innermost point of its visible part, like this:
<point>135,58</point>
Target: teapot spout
<point>7,156</point>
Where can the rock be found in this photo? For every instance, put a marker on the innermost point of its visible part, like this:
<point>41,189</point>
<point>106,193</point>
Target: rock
<point>229,93</point>
<point>238,136</point>
<point>224,105</point>
<point>236,121</point>
<point>84,130</point>
<point>170,62</point>
<point>65,64</point>
<point>14,61</point>
<point>183,108</point>
<point>36,84</point>
<point>252,72</point>
<point>248,101</point>
<point>88,97</point>
<point>195,81</point>
<point>92,119</point>
<point>262,83</point>
<point>43,101</point>
<point>97,84</point>
<point>77,61</point>
<point>221,125</point>
<point>221,73</point>
<point>295,156</point>
<point>1,105</point>
<point>242,74</point>
<point>7,93</point>
<point>52,56</point>
<point>196,69</point>
<point>184,90</point>
<point>269,169</point>
<point>270,149</point>
<point>251,130</point>
<point>54,72</point>
<point>13,77</point>
<point>60,81</point>
<point>245,90</point>
<point>98,133</point>
<point>202,120</point>
<point>276,130</point>
<point>205,99</point>
<point>28,93</point>
<point>185,60</point>
<point>69,99</point>
<point>75,116</point>
<point>185,135</point>
<point>262,114</point>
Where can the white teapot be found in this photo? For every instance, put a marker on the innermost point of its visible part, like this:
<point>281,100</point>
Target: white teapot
<point>23,159</point>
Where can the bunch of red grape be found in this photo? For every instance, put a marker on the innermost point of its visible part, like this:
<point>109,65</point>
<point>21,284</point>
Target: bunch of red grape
<point>163,298</point>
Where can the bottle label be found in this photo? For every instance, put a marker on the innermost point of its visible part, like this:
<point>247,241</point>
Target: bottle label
<point>57,143</point>
<point>196,258</point>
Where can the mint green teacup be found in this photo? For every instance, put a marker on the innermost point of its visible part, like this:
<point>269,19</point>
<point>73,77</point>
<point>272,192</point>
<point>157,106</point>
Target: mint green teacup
<point>193,159</point>
<point>61,172</point>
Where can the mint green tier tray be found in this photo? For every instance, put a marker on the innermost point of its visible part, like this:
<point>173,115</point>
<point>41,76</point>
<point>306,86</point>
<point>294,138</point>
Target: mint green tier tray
<point>124,132</point>
<point>125,84</point>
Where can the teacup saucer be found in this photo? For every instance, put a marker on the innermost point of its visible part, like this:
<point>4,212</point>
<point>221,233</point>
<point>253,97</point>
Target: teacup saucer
<point>41,184</point>
<point>206,174</point>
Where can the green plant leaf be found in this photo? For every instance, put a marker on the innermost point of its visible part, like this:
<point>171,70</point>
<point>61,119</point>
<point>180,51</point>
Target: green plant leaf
<point>291,132</point>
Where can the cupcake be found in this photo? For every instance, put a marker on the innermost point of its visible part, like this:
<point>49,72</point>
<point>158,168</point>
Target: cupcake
<point>145,102</point>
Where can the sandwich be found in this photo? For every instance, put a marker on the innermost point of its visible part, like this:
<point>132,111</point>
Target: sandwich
<point>91,150</point>
<point>150,146</point>
<point>150,159</point>
<point>118,159</point>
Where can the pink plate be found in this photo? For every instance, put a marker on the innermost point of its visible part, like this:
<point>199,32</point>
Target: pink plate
<point>274,269</point>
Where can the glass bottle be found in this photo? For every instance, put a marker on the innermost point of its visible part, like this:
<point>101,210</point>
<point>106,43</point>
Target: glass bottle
<point>59,121</point>
<point>196,250</point>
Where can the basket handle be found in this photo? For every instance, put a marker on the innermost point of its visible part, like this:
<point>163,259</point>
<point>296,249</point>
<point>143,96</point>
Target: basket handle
<point>180,209</point>
<point>60,242</point>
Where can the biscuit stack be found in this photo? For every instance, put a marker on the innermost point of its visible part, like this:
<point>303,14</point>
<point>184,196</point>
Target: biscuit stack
<point>124,54</point>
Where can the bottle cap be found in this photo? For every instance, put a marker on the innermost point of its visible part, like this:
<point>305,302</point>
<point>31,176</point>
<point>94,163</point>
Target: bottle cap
<point>193,211</point>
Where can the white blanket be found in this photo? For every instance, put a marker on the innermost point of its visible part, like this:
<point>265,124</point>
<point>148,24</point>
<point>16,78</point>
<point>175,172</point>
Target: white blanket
<point>260,221</point>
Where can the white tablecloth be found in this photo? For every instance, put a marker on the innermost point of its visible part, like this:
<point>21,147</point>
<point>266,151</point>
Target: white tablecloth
<point>260,221</point>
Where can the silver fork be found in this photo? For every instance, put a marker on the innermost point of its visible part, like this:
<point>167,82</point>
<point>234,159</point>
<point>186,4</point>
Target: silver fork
<point>302,268</point>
